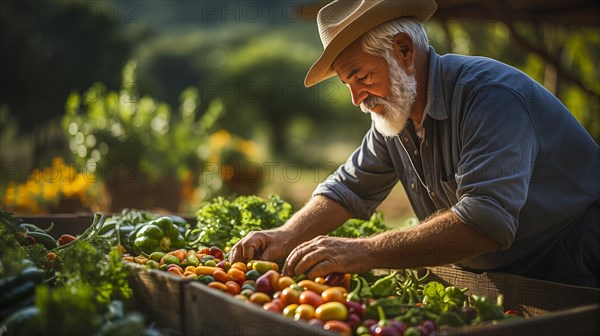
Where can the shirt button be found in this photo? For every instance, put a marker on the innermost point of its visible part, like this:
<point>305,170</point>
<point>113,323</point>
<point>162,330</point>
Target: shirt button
<point>405,139</point>
<point>416,152</point>
<point>432,193</point>
<point>412,186</point>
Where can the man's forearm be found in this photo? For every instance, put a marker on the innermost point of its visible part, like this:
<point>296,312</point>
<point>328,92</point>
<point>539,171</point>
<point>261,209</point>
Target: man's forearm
<point>441,240</point>
<point>319,216</point>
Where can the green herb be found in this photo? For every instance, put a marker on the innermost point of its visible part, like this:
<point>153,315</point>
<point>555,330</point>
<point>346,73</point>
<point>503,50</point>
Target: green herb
<point>354,228</point>
<point>224,223</point>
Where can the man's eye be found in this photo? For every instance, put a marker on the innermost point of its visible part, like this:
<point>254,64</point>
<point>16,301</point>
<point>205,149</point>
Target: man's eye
<point>364,78</point>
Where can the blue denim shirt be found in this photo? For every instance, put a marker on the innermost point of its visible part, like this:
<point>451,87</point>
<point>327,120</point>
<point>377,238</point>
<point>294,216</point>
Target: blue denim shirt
<point>500,151</point>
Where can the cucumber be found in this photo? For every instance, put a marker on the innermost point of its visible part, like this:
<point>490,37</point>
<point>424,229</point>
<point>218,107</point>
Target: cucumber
<point>43,238</point>
<point>22,322</point>
<point>33,274</point>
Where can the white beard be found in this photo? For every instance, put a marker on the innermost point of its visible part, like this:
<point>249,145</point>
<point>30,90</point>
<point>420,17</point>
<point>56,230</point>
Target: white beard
<point>397,107</point>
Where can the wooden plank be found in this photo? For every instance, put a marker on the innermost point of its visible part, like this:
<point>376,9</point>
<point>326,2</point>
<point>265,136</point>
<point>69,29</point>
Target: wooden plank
<point>211,312</point>
<point>533,297</point>
<point>159,295</point>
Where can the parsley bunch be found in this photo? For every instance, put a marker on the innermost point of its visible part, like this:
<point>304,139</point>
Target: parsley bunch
<point>223,222</point>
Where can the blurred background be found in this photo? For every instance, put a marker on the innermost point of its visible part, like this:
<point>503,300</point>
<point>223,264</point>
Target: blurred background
<point>167,104</point>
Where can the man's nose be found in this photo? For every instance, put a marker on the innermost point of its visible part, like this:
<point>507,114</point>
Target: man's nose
<point>358,94</point>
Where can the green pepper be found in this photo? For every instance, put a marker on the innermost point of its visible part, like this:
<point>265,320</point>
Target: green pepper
<point>385,286</point>
<point>354,294</point>
<point>157,235</point>
<point>206,279</point>
<point>365,289</point>
<point>392,306</point>
<point>193,260</point>
<point>486,309</point>
<point>454,296</point>
<point>450,318</point>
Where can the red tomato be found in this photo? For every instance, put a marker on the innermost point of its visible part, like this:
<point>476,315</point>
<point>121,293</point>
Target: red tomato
<point>310,298</point>
<point>290,296</point>
<point>233,287</point>
<point>338,326</point>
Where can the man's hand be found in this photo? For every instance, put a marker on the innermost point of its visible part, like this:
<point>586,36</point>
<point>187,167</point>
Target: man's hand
<point>323,255</point>
<point>270,245</point>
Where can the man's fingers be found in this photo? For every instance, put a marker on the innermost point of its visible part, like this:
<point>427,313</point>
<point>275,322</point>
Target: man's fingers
<point>307,262</point>
<point>322,268</point>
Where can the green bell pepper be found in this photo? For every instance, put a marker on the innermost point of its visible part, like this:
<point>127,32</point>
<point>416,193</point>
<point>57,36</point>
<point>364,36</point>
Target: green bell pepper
<point>160,234</point>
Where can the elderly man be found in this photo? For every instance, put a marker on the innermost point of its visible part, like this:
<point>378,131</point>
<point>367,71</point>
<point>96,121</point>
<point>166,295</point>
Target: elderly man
<point>500,174</point>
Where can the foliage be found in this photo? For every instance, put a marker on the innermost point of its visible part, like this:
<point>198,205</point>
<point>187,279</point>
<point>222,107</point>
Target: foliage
<point>224,223</point>
<point>120,134</point>
<point>354,228</point>
<point>46,188</point>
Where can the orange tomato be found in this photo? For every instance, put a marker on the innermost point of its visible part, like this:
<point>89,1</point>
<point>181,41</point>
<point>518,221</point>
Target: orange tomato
<point>290,296</point>
<point>237,274</point>
<point>218,285</point>
<point>320,280</point>
<point>221,276</point>
<point>304,312</point>
<point>241,266</point>
<point>260,298</point>
<point>285,281</point>
<point>233,287</point>
<point>336,294</point>
<point>310,298</point>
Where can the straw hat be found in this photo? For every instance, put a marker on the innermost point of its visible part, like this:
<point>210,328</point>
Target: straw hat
<point>341,22</point>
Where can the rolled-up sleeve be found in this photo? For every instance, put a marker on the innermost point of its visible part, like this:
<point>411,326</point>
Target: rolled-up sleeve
<point>365,180</point>
<point>499,146</point>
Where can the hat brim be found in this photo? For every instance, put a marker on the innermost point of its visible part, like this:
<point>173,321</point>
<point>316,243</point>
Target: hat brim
<point>322,69</point>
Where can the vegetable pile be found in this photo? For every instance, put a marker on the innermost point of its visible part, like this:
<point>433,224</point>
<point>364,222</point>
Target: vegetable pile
<point>396,304</point>
<point>78,285</point>
<point>69,286</point>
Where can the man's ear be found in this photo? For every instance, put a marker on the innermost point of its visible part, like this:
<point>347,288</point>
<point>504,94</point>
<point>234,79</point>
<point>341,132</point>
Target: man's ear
<point>403,50</point>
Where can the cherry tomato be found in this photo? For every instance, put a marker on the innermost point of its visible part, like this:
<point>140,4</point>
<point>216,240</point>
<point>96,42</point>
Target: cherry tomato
<point>290,310</point>
<point>304,312</point>
<point>313,286</point>
<point>220,275</point>
<point>260,298</point>
<point>274,306</point>
<point>338,326</point>
<point>241,266</point>
<point>310,298</point>
<point>285,281</point>
<point>218,285</point>
<point>290,296</point>
<point>331,311</point>
<point>320,280</point>
<point>334,294</point>
<point>237,275</point>
<point>233,287</point>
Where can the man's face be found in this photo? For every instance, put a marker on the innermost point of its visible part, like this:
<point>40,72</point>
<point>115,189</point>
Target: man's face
<point>379,86</point>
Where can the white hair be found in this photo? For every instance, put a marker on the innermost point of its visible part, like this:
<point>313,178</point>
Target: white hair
<point>378,41</point>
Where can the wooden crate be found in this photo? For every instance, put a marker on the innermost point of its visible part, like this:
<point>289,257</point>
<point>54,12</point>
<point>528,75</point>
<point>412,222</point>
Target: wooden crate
<point>160,296</point>
<point>211,312</point>
<point>550,308</point>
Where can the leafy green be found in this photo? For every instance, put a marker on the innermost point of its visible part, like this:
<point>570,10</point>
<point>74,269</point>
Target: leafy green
<point>354,228</point>
<point>223,222</point>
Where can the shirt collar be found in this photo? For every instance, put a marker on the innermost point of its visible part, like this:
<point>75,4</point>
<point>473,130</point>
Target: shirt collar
<point>435,107</point>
